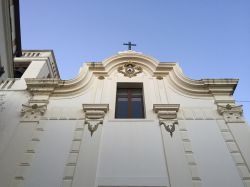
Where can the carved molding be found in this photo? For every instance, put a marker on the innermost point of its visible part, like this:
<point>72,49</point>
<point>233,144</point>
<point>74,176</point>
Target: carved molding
<point>42,86</point>
<point>231,113</point>
<point>94,115</point>
<point>130,69</point>
<point>167,114</point>
<point>33,111</point>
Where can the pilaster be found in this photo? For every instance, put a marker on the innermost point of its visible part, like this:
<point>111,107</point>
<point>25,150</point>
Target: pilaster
<point>81,168</point>
<point>234,132</point>
<point>31,113</point>
<point>180,161</point>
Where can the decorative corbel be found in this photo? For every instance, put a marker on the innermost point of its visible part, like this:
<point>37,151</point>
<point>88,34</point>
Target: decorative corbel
<point>167,114</point>
<point>231,113</point>
<point>94,115</point>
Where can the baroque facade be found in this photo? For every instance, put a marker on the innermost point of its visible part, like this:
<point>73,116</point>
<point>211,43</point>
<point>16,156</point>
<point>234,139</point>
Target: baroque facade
<point>129,120</point>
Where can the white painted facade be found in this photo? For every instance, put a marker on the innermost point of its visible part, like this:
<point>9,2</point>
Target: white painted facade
<point>46,127</point>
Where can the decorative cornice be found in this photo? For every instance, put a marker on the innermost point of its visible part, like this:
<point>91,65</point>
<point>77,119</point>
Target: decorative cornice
<point>231,113</point>
<point>42,86</point>
<point>95,107</point>
<point>169,71</point>
<point>94,115</point>
<point>167,114</point>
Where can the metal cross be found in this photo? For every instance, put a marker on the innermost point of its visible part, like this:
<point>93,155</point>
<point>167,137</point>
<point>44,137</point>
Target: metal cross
<point>129,44</point>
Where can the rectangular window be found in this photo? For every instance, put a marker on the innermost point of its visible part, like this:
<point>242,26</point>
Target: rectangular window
<point>129,101</point>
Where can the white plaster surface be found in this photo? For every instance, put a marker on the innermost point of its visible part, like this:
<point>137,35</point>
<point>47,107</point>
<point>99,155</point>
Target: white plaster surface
<point>13,152</point>
<point>241,133</point>
<point>52,152</point>
<point>132,153</point>
<point>215,163</point>
<point>11,105</point>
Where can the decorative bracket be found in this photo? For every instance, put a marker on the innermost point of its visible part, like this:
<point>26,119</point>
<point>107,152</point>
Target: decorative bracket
<point>231,113</point>
<point>167,114</point>
<point>94,115</point>
<point>130,69</point>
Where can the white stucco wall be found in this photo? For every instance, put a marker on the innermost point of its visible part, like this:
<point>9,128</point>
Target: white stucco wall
<point>131,153</point>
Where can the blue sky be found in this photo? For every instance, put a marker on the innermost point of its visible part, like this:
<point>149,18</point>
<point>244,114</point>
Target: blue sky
<point>208,38</point>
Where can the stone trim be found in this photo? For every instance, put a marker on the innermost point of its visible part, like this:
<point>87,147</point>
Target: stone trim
<point>29,153</point>
<point>189,154</point>
<point>71,163</point>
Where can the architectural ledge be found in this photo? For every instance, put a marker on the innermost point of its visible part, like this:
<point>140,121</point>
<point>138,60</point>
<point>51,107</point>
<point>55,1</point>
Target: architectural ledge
<point>166,111</point>
<point>221,86</point>
<point>39,86</point>
<point>166,107</point>
<point>95,107</point>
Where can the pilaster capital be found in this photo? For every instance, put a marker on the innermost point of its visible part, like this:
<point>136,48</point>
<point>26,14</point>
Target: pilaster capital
<point>232,113</point>
<point>94,115</point>
<point>167,114</point>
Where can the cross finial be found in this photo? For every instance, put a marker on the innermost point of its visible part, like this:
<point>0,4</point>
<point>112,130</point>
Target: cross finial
<point>129,44</point>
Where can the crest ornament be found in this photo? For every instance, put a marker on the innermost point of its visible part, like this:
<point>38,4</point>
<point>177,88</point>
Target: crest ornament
<point>231,113</point>
<point>130,69</point>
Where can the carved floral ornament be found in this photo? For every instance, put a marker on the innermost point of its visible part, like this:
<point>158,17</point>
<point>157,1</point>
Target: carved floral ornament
<point>33,111</point>
<point>231,113</point>
<point>167,114</point>
<point>130,69</point>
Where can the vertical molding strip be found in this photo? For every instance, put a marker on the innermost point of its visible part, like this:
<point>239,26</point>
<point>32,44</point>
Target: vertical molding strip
<point>189,154</point>
<point>70,166</point>
<point>29,153</point>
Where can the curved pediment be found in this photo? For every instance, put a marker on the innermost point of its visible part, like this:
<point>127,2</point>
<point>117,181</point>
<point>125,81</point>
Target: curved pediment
<point>131,64</point>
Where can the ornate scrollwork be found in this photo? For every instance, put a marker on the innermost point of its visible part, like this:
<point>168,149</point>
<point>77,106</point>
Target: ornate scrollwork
<point>93,127</point>
<point>231,113</point>
<point>32,111</point>
<point>130,69</point>
<point>169,126</point>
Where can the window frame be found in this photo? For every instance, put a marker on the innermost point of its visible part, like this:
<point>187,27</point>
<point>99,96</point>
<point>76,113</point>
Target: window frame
<point>129,87</point>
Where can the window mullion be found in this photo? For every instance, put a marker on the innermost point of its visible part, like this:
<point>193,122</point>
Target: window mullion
<point>129,104</point>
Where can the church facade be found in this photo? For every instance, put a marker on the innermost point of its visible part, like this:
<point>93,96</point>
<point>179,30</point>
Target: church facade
<point>129,120</point>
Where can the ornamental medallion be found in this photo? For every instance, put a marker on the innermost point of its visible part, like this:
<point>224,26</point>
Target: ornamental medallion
<point>129,69</point>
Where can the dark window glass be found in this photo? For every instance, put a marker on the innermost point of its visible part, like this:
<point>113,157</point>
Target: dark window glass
<point>129,103</point>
